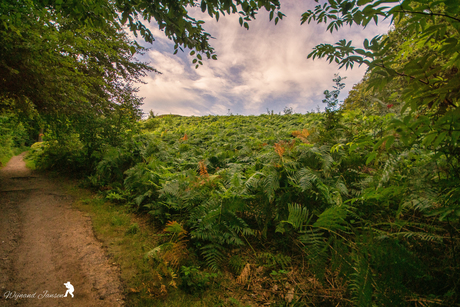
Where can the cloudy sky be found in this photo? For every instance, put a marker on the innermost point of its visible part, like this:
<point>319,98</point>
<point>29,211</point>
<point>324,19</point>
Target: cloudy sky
<point>265,67</point>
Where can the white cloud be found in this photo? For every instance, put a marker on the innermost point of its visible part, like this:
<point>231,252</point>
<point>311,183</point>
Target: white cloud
<point>265,67</point>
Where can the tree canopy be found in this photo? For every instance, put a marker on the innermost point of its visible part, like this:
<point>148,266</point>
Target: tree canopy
<point>421,53</point>
<point>66,56</point>
<point>52,63</point>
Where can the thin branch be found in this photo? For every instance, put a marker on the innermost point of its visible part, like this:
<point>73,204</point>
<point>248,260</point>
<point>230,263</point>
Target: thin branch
<point>450,102</point>
<point>430,14</point>
<point>404,75</point>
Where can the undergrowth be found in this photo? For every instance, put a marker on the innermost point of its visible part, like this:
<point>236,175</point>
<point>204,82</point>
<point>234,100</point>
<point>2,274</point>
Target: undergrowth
<point>129,238</point>
<point>294,213</point>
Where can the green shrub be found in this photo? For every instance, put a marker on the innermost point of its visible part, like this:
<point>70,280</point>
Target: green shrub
<point>133,229</point>
<point>194,281</point>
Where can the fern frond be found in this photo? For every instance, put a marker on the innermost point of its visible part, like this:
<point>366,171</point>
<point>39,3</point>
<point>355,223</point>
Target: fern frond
<point>313,237</point>
<point>361,283</point>
<point>388,169</point>
<point>236,181</point>
<point>153,253</point>
<point>253,182</point>
<point>244,276</point>
<point>299,217</point>
<point>423,203</point>
<point>316,248</point>
<point>333,218</point>
<point>274,261</point>
<point>421,235</point>
<point>305,178</point>
<point>323,155</point>
<point>270,184</point>
<point>236,264</point>
<point>302,135</point>
<point>213,255</point>
<point>341,187</point>
<point>325,192</point>
<point>171,187</point>
<point>175,228</point>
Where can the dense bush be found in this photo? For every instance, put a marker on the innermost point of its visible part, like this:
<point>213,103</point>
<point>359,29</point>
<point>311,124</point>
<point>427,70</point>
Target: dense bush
<point>14,136</point>
<point>282,182</point>
<point>342,193</point>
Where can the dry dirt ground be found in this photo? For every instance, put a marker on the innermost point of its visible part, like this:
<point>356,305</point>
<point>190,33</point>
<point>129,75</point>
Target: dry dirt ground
<point>45,243</point>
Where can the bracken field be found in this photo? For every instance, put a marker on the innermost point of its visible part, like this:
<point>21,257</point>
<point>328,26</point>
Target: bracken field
<point>355,205</point>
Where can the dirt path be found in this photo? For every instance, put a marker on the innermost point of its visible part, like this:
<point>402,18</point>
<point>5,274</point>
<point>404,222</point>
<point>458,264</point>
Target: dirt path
<point>44,243</point>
